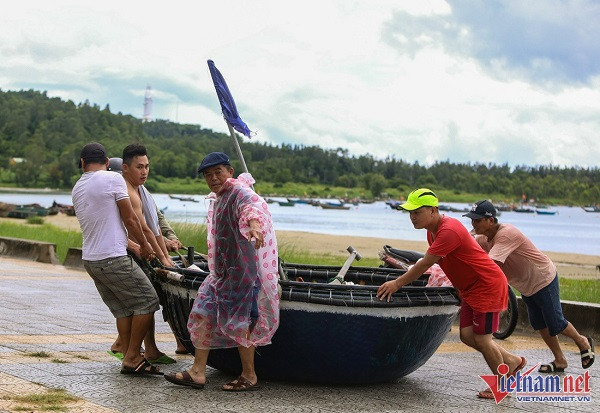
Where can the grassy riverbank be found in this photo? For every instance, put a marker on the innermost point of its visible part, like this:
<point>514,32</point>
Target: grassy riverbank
<point>293,247</point>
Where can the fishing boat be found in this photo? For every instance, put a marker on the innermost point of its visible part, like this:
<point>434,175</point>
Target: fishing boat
<point>545,211</point>
<point>331,205</point>
<point>524,209</point>
<point>29,210</point>
<point>393,204</point>
<point>188,199</point>
<point>591,208</point>
<point>332,333</point>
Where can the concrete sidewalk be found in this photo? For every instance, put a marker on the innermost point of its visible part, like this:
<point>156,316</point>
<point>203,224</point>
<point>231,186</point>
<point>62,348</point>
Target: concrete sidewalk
<point>55,331</point>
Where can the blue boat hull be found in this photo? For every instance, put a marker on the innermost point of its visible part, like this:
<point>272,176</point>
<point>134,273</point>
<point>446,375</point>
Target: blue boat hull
<point>334,334</point>
<point>343,348</point>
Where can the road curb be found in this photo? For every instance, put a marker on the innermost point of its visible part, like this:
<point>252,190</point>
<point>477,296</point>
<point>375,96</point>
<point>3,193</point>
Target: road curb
<point>39,251</point>
<point>585,317</point>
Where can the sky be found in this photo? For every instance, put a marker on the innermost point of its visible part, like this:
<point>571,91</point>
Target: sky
<point>515,82</point>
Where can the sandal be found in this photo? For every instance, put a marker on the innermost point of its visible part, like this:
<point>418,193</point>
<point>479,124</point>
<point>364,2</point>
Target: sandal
<point>185,381</point>
<point>486,394</point>
<point>587,356</point>
<point>116,354</point>
<point>241,384</point>
<point>550,368</point>
<point>144,367</point>
<point>519,367</point>
<point>164,359</point>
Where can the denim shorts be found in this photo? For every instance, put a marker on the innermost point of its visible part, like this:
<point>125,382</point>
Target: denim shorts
<point>544,309</point>
<point>254,308</point>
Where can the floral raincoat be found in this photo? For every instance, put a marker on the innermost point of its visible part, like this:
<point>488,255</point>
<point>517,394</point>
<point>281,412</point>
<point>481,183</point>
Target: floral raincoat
<point>239,274</point>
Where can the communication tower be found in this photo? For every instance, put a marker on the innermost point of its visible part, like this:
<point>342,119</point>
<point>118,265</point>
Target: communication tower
<point>147,105</point>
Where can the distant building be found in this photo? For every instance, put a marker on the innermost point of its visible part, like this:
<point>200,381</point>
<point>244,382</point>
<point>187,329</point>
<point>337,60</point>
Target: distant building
<point>147,105</point>
<point>14,161</point>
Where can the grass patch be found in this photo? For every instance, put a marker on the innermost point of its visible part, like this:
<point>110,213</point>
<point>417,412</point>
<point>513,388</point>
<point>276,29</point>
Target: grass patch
<point>587,291</point>
<point>79,356</point>
<point>59,361</point>
<point>35,220</point>
<point>40,354</point>
<point>49,233</point>
<point>52,400</point>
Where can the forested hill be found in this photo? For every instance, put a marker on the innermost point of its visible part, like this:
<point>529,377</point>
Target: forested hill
<point>40,140</point>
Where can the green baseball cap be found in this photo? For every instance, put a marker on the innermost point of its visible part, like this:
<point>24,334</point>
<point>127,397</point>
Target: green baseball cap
<point>420,198</point>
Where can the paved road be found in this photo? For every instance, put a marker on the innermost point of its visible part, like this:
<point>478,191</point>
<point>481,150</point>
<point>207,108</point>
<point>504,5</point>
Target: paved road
<point>55,330</point>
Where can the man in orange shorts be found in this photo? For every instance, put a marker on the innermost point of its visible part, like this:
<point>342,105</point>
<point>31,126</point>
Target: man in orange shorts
<point>480,282</point>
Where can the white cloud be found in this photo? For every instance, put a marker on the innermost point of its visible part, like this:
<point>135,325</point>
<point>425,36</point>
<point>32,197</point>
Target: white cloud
<point>403,78</point>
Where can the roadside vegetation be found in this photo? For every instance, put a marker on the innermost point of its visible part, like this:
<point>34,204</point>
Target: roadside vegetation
<point>55,400</point>
<point>195,235</point>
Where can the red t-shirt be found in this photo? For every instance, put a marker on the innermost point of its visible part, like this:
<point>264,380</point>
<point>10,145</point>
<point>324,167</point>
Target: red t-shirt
<point>481,283</point>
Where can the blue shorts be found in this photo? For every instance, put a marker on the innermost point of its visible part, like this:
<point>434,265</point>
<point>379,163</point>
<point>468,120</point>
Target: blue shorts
<point>254,308</point>
<point>544,309</point>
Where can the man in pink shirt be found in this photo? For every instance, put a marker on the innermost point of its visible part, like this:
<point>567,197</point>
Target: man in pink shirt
<point>482,285</point>
<point>534,275</point>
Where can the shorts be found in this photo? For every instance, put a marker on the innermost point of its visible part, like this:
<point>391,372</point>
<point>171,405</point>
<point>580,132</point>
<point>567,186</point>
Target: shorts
<point>544,309</point>
<point>162,299</point>
<point>254,307</point>
<point>123,286</point>
<point>483,323</point>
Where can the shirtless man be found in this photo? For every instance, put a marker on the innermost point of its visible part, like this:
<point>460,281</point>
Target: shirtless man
<point>168,235</point>
<point>135,171</point>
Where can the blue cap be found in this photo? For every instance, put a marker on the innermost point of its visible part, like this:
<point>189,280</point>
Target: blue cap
<point>213,159</point>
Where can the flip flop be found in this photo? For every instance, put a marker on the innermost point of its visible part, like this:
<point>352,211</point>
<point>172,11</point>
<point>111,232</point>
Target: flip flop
<point>485,394</point>
<point>144,367</point>
<point>588,355</point>
<point>164,359</point>
<point>182,352</point>
<point>116,354</point>
<point>550,368</point>
<point>519,367</point>
<point>241,384</point>
<point>185,381</point>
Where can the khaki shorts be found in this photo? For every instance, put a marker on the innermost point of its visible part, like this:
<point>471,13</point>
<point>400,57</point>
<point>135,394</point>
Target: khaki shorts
<point>123,286</point>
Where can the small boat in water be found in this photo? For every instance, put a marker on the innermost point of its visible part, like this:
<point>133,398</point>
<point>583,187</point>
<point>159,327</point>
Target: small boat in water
<point>545,211</point>
<point>332,333</point>
<point>526,210</point>
<point>591,208</point>
<point>332,205</point>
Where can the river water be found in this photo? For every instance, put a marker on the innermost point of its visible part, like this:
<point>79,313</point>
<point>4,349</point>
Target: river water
<point>571,230</point>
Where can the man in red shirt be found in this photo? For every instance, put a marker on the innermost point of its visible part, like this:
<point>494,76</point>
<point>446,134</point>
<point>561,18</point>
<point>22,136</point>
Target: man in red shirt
<point>481,283</point>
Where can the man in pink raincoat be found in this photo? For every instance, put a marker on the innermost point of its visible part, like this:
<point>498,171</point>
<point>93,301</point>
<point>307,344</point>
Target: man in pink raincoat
<point>237,305</point>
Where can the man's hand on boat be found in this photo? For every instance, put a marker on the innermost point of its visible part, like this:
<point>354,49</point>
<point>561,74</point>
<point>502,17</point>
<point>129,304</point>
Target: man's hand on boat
<point>173,244</point>
<point>388,288</point>
<point>146,251</point>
